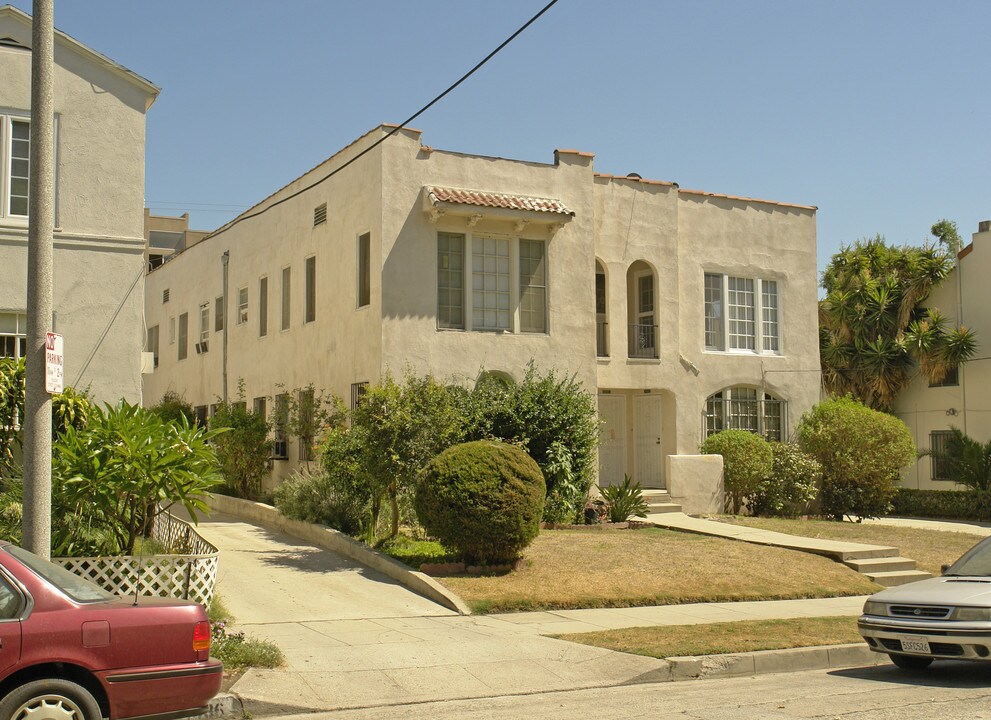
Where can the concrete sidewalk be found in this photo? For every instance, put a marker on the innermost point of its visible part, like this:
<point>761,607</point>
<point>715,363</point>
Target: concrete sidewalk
<point>836,549</point>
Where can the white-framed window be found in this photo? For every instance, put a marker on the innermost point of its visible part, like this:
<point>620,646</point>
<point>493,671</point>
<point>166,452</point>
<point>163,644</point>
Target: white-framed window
<point>503,287</point>
<point>204,344</point>
<point>242,305</point>
<point>742,314</point>
<point>15,161</point>
<point>152,344</point>
<point>744,408</point>
<point>13,335</point>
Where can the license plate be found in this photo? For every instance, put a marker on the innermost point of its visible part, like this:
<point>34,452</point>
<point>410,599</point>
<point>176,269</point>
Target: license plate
<point>915,645</point>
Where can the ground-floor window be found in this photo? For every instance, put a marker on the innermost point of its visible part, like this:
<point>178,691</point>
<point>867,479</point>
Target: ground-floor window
<point>744,408</point>
<point>938,441</point>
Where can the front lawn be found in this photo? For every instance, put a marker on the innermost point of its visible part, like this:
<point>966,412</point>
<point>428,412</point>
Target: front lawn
<point>929,548</point>
<point>727,637</point>
<point>566,569</point>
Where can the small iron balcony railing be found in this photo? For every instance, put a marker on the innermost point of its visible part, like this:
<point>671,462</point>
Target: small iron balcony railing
<point>643,341</point>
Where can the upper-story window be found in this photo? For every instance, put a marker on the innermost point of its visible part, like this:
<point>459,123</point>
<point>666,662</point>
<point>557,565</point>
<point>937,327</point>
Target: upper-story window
<point>15,153</point>
<point>506,285</point>
<point>742,314</point>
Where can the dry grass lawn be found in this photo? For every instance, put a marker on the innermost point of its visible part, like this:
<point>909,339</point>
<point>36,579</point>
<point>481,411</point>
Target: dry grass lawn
<point>929,548</point>
<point>649,566</point>
<point>727,637</point>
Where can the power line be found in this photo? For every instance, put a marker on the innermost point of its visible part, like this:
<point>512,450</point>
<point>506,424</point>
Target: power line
<point>394,130</point>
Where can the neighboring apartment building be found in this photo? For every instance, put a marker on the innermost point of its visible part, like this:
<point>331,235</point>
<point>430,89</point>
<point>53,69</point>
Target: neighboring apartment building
<point>99,186</point>
<point>685,312</point>
<point>963,399</point>
<point>166,235</point>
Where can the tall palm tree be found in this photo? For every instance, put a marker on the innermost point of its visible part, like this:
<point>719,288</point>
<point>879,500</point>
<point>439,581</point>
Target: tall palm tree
<point>874,332</point>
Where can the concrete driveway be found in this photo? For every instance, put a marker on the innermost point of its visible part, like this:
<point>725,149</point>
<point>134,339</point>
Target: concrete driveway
<point>267,577</point>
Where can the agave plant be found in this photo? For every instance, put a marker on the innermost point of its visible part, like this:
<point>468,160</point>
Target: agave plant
<point>625,500</point>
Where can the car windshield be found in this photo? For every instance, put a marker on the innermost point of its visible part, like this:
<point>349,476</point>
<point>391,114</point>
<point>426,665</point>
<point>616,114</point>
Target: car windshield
<point>77,588</point>
<point>976,561</point>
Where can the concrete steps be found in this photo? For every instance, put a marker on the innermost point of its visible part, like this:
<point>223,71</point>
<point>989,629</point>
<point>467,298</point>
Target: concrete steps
<point>888,571</point>
<point>658,501</point>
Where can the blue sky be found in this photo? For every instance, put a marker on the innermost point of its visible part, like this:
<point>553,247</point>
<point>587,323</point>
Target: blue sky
<point>877,112</point>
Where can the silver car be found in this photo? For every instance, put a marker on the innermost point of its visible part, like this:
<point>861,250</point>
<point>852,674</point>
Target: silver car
<point>943,617</point>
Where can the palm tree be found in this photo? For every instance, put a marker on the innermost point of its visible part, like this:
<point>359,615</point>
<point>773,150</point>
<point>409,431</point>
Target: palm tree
<point>874,332</point>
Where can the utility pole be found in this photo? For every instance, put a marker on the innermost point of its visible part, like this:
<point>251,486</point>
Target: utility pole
<point>41,208</point>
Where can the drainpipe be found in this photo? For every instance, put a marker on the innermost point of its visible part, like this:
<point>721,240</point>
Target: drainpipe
<point>224,259</point>
<point>962,373</point>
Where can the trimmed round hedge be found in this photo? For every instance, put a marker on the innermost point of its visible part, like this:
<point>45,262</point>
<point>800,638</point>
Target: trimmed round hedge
<point>483,499</point>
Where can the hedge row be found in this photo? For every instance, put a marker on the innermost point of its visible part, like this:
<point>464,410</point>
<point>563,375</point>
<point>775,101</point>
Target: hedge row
<point>948,504</point>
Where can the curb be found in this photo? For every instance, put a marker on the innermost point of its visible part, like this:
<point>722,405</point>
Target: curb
<point>224,705</point>
<point>764,662</point>
<point>338,542</point>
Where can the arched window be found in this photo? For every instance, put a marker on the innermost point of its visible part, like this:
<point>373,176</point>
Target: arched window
<point>642,310</point>
<point>601,316</point>
<point>745,408</point>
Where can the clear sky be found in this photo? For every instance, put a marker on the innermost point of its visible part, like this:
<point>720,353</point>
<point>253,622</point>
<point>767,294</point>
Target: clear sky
<point>877,112</point>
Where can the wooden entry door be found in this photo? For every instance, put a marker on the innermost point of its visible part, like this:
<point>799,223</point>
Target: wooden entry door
<point>612,439</point>
<point>648,447</point>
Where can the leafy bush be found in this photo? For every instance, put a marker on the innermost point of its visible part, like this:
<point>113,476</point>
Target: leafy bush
<point>792,485</point>
<point>624,500</point>
<point>126,465</point>
<point>747,460</point>
<point>554,419</point>
<point>483,499</point>
<point>416,552</point>
<point>948,504</point>
<point>323,499</point>
<point>967,461</point>
<point>69,409</point>
<point>243,450</point>
<point>174,408</point>
<point>861,451</point>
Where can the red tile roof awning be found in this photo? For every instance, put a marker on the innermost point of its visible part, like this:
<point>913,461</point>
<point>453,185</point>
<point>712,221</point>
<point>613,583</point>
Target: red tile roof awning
<point>439,196</point>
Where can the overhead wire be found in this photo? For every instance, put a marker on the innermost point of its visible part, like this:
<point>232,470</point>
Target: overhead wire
<point>393,131</point>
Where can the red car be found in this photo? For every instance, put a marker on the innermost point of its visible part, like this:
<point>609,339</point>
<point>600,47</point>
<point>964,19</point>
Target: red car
<point>69,650</point>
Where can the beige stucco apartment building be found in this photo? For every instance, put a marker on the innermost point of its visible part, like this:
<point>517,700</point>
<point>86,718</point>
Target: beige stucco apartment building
<point>963,399</point>
<point>99,196</point>
<point>683,311</point>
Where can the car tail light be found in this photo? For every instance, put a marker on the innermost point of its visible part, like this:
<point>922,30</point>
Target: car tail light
<point>201,637</point>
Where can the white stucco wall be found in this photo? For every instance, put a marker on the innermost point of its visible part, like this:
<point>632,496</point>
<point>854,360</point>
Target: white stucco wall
<point>967,405</point>
<point>98,259</point>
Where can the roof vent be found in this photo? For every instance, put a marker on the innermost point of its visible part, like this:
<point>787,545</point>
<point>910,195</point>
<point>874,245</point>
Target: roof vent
<point>165,296</point>
<point>320,214</point>
<point>11,42</point>
<point>634,176</point>
<point>984,226</point>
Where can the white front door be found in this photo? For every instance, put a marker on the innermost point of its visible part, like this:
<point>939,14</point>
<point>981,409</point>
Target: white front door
<point>612,439</point>
<point>648,450</point>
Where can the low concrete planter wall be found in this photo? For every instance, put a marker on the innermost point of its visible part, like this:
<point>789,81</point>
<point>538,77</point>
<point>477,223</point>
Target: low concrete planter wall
<point>338,542</point>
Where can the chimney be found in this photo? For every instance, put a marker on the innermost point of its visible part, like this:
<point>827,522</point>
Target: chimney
<point>984,226</point>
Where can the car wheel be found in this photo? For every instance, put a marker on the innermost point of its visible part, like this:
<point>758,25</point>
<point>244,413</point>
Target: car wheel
<point>50,699</point>
<point>910,662</point>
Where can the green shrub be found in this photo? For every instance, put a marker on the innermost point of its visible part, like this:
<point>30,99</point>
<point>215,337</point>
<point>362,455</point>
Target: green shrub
<point>624,500</point>
<point>323,499</point>
<point>483,499</point>
<point>416,552</point>
<point>792,485</point>
<point>747,460</point>
<point>174,408</point>
<point>243,450</point>
<point>967,461</point>
<point>946,504</point>
<point>861,451</point>
<point>554,419</point>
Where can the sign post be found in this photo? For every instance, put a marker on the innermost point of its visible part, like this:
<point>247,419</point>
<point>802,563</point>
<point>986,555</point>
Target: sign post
<point>53,363</point>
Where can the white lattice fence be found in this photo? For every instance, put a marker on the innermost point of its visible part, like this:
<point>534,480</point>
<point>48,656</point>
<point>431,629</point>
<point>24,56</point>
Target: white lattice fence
<point>187,576</point>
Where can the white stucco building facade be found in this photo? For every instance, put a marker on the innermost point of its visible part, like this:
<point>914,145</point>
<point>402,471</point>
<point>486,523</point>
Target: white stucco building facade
<point>684,312</point>
<point>100,111</point>
<point>963,399</point>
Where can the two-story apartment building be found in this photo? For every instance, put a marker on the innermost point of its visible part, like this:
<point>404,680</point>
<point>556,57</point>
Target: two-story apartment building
<point>99,264</point>
<point>963,399</point>
<point>685,312</point>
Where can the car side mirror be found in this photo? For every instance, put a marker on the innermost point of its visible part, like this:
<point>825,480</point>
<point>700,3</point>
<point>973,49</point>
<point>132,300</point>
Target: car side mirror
<point>943,568</point>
